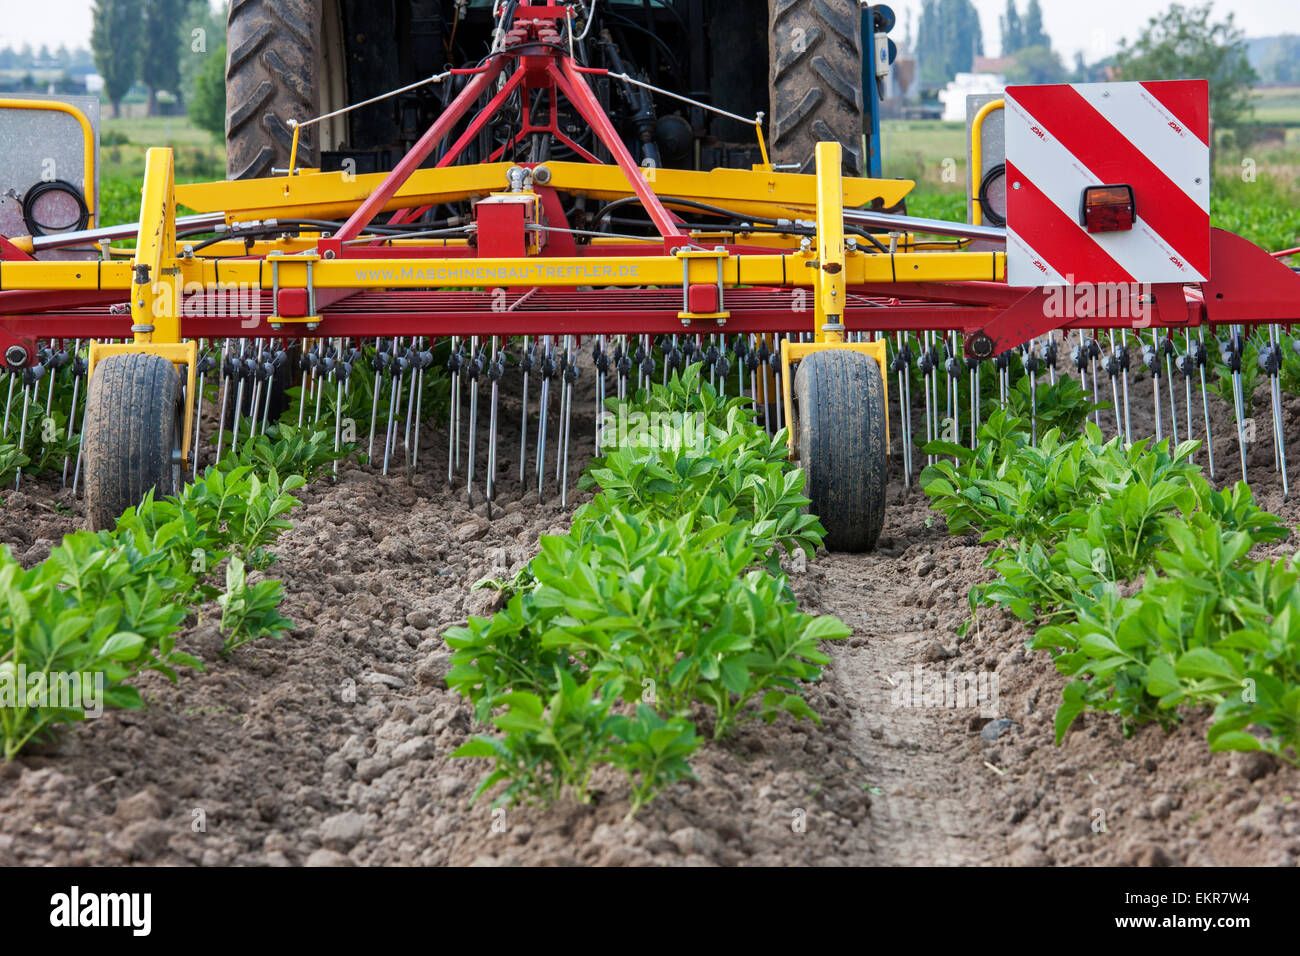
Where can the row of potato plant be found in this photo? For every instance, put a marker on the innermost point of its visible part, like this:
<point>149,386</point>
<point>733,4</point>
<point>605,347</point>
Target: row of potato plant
<point>663,604</point>
<point>1136,574</point>
<point>106,606</point>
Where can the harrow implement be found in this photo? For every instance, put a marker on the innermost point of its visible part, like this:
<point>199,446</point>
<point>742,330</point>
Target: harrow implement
<point>800,291</point>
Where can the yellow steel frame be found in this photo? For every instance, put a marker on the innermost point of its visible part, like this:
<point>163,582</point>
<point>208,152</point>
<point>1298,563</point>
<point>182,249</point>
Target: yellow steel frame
<point>317,195</point>
<point>792,352</point>
<point>977,156</point>
<point>155,276</point>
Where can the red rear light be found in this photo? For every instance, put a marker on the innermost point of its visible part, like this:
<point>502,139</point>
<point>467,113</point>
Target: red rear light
<point>1108,208</point>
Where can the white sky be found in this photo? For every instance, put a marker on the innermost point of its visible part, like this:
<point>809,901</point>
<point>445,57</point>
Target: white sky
<point>1097,26</point>
<point>1093,26</point>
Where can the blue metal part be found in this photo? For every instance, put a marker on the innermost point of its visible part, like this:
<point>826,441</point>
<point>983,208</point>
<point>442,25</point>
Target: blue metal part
<point>875,18</point>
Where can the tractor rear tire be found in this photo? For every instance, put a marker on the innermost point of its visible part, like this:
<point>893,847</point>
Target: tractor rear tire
<point>840,422</point>
<point>135,424</point>
<point>271,68</point>
<point>816,80</point>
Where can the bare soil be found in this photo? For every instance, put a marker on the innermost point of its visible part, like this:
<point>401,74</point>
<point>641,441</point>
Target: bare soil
<point>330,747</point>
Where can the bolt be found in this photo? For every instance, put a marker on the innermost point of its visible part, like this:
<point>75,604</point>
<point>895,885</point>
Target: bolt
<point>16,356</point>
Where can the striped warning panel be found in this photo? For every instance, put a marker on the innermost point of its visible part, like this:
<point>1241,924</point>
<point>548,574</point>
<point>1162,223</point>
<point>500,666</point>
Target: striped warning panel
<point>1061,139</point>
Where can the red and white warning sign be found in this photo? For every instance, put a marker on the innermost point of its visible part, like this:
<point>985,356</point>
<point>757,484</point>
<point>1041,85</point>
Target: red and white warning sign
<point>1065,139</point>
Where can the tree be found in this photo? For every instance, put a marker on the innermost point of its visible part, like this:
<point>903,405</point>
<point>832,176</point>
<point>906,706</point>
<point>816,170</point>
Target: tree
<point>1080,74</point>
<point>1036,64</point>
<point>1034,35</point>
<point>948,39</point>
<point>201,36</point>
<point>1013,37</point>
<point>1281,63</point>
<point>160,69</point>
<point>1182,44</point>
<point>208,104</point>
<point>115,40</point>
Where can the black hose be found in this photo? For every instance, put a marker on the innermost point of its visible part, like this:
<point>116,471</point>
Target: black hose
<point>28,204</point>
<point>994,218</point>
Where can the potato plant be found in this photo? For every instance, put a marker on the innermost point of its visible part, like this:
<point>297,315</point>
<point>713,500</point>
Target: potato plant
<point>109,604</point>
<point>664,601</point>
<point>1076,521</point>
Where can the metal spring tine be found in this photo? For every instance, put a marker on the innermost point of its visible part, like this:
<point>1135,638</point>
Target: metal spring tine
<point>454,378</point>
<point>974,400</point>
<point>342,369</point>
<point>1154,365</point>
<point>456,397</point>
<point>81,444</point>
<point>1113,366</point>
<point>306,383</point>
<point>547,370</point>
<point>495,369</point>
<point>931,392</point>
<point>1167,347</point>
<point>1094,352</point>
<point>1187,385</point>
<point>1030,358</point>
<point>255,358</point>
<point>224,372</point>
<point>1263,356</point>
<point>909,436</point>
<point>1234,355</point>
<point>377,366</point>
<point>266,401</point>
<point>601,360</point>
<point>526,365</point>
<point>426,361</point>
<point>195,445</point>
<point>565,394</point>
<point>1201,358</point>
<point>72,411</point>
<point>239,401</point>
<point>22,428</point>
<point>318,381</point>
<point>571,376</point>
<point>777,383</point>
<point>394,397</point>
<point>414,368</point>
<point>13,373</point>
<point>1123,367</point>
<point>1275,381</point>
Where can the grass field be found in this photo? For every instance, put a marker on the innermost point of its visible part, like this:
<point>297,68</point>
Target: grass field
<point>1277,105</point>
<point>122,151</point>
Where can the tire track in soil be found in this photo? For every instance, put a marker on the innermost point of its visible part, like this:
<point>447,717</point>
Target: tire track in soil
<point>918,815</point>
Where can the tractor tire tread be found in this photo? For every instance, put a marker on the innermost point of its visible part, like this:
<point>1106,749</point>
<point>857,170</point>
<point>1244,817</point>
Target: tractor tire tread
<point>131,408</point>
<point>816,81</point>
<point>841,433</point>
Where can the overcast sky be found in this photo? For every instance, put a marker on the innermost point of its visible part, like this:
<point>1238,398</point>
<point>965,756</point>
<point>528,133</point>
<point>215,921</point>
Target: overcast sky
<point>1093,26</point>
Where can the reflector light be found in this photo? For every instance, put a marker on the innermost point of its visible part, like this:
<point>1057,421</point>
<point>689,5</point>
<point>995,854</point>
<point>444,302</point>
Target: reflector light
<point>1108,208</point>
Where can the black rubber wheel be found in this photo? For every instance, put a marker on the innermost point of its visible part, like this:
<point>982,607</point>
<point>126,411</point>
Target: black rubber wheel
<point>135,424</point>
<point>271,67</point>
<point>816,80</point>
<point>839,425</point>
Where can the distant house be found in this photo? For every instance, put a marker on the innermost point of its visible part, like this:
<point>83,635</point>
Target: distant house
<point>953,96</point>
<point>993,64</point>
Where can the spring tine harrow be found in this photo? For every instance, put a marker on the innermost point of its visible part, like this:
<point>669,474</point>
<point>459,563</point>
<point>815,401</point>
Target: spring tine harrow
<point>714,274</point>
